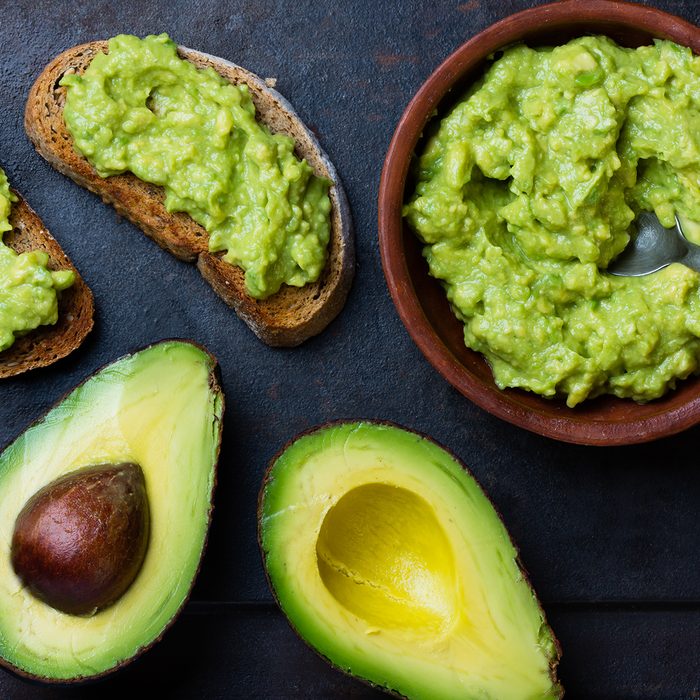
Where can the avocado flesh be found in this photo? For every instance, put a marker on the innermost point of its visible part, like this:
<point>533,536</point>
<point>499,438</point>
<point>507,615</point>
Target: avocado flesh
<point>158,408</point>
<point>390,561</point>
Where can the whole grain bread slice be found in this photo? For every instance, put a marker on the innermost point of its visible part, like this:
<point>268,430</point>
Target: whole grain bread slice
<point>46,344</point>
<point>287,318</point>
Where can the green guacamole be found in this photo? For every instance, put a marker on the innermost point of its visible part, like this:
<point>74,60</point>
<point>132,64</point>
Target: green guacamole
<point>27,288</point>
<point>140,108</point>
<point>529,188</point>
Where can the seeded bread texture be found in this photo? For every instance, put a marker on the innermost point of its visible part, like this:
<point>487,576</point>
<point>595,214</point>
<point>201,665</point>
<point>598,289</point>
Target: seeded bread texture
<point>287,318</point>
<point>46,344</point>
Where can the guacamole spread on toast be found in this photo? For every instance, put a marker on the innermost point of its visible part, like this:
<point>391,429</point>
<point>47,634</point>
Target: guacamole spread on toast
<point>530,187</point>
<point>141,108</point>
<point>28,289</point>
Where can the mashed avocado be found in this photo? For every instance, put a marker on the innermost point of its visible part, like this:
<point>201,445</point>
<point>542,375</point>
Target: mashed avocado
<point>140,108</point>
<point>528,190</point>
<point>27,287</point>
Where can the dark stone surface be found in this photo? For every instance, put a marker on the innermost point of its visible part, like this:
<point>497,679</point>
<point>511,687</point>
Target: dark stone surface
<point>610,536</point>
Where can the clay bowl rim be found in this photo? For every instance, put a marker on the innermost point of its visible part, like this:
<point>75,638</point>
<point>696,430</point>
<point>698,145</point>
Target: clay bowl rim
<point>604,421</point>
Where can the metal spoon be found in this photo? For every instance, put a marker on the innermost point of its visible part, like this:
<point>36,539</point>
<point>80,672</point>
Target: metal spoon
<point>655,247</point>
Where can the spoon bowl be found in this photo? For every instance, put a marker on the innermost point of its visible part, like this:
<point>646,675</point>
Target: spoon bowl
<point>655,247</point>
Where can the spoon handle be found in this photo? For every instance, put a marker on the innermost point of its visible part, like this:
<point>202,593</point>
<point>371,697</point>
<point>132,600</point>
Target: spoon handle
<point>692,257</point>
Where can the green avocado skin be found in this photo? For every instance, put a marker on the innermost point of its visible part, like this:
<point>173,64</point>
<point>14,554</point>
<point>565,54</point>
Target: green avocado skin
<point>389,560</point>
<point>160,408</point>
<point>528,190</point>
<point>141,108</point>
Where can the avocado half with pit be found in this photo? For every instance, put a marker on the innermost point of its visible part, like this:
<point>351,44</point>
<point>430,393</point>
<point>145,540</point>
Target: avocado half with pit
<point>105,505</point>
<point>389,560</point>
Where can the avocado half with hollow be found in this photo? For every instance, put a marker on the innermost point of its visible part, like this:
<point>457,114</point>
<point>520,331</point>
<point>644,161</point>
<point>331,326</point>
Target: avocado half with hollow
<point>389,560</point>
<point>105,506</point>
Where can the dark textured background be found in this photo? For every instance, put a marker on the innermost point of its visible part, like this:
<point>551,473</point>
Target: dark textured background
<point>610,536</point>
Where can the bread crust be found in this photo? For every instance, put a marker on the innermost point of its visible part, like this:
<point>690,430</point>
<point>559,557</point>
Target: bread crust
<point>46,344</point>
<point>288,317</point>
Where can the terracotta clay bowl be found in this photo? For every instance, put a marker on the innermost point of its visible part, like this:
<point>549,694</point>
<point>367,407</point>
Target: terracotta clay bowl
<point>421,301</point>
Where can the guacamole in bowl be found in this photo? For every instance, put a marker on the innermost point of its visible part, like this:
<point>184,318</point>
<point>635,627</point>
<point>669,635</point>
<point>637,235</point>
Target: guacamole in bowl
<point>529,188</point>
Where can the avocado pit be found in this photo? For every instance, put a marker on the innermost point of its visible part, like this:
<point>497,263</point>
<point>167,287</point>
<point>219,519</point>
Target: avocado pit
<point>80,541</point>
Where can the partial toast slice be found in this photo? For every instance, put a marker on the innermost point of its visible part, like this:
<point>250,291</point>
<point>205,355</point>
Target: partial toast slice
<point>287,318</point>
<point>46,344</point>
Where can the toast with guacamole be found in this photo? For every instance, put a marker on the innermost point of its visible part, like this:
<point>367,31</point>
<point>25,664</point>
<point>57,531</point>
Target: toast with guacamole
<point>213,165</point>
<point>46,308</point>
